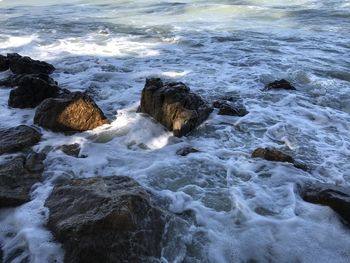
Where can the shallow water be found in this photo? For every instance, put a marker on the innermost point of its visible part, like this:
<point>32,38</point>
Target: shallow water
<point>238,209</point>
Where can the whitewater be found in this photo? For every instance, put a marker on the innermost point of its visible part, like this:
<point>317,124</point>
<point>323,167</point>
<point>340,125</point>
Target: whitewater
<point>238,209</point>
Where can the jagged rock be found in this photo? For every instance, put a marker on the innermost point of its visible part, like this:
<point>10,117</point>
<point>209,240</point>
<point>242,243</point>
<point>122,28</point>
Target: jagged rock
<point>280,84</point>
<point>105,219</point>
<point>4,63</point>
<point>186,151</point>
<point>17,177</point>
<point>174,106</point>
<point>26,65</point>
<point>71,149</point>
<point>32,90</point>
<point>18,138</point>
<point>21,79</point>
<point>74,112</point>
<point>277,156</point>
<point>336,197</point>
<point>230,108</point>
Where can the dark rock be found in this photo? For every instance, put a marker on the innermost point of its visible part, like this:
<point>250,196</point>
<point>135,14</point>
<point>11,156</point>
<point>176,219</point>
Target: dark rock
<point>71,149</point>
<point>26,65</point>
<point>32,90</point>
<point>17,177</point>
<point>186,151</point>
<point>21,79</point>
<point>278,156</point>
<point>105,219</point>
<point>18,138</point>
<point>336,197</point>
<point>280,84</point>
<point>229,108</point>
<point>4,63</point>
<point>272,155</point>
<point>74,112</point>
<point>174,106</point>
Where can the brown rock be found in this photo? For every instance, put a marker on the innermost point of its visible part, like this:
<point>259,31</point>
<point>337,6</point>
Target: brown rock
<point>17,177</point>
<point>272,155</point>
<point>280,84</point>
<point>32,90</point>
<point>71,149</point>
<point>336,197</point>
<point>74,112</point>
<point>18,138</point>
<point>105,219</point>
<point>174,106</point>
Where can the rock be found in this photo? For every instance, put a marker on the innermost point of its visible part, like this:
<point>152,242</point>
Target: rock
<point>272,155</point>
<point>4,63</point>
<point>32,90</point>
<point>17,177</point>
<point>229,108</point>
<point>278,156</point>
<point>74,112</point>
<point>336,197</point>
<point>105,219</point>
<point>71,149</point>
<point>186,151</point>
<point>26,65</point>
<point>280,84</point>
<point>174,106</point>
<point>18,138</point>
<point>21,79</point>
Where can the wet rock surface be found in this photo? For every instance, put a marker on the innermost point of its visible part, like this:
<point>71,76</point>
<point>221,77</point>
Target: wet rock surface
<point>105,219</point>
<point>18,138</point>
<point>71,149</point>
<point>4,63</point>
<point>23,79</point>
<point>17,176</point>
<point>280,84</point>
<point>73,112</point>
<point>174,106</point>
<point>26,65</point>
<point>230,107</point>
<point>32,90</point>
<point>186,151</point>
<point>336,197</point>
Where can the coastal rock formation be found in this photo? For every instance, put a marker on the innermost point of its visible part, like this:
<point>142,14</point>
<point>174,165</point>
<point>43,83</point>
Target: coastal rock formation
<point>4,63</point>
<point>32,90</point>
<point>18,138</point>
<point>105,219</point>
<point>71,149</point>
<point>73,112</point>
<point>25,79</point>
<point>26,65</point>
<point>17,177</point>
<point>336,197</point>
<point>174,106</point>
<point>280,84</point>
<point>229,107</point>
<point>277,156</point>
<point>186,151</point>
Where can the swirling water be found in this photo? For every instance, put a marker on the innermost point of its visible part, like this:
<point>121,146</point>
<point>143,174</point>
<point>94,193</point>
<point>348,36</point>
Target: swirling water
<point>238,209</point>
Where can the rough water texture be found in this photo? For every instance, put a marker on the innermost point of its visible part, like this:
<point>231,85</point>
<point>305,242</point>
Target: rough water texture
<point>240,209</point>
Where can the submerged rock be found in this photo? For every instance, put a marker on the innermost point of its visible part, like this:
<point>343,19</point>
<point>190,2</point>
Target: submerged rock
<point>18,138</point>
<point>74,112</point>
<point>336,197</point>
<point>26,65</point>
<point>230,108</point>
<point>71,149</point>
<point>186,151</point>
<point>105,219</point>
<point>17,177</point>
<point>174,106</point>
<point>4,63</point>
<point>277,156</point>
<point>32,90</point>
<point>280,84</point>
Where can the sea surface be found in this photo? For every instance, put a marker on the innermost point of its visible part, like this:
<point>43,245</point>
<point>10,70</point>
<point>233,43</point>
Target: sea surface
<point>237,209</point>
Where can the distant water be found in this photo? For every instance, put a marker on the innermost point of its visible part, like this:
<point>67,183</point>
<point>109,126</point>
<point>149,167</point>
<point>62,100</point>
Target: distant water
<point>242,209</point>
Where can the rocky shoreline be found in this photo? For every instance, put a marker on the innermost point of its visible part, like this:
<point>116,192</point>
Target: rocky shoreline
<point>109,218</point>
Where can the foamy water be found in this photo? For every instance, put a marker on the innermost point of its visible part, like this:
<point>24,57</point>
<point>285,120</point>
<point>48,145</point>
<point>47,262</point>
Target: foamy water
<point>238,209</point>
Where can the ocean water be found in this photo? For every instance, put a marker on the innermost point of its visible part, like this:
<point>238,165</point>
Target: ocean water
<point>237,209</point>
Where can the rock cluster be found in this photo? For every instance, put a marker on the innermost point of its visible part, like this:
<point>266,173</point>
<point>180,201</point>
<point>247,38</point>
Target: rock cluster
<point>280,84</point>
